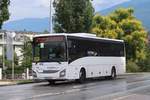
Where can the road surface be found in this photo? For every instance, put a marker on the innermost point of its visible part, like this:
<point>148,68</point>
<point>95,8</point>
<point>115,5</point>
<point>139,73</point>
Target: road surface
<point>128,87</point>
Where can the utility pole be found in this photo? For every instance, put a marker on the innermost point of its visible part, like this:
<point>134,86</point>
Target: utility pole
<point>51,19</point>
<point>13,64</point>
<point>3,41</point>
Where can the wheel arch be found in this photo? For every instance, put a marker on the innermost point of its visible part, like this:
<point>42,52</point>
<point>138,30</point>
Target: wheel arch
<point>83,69</point>
<point>113,67</point>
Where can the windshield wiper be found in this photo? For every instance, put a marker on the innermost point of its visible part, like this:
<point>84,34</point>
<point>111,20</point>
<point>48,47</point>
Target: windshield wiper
<point>58,62</point>
<point>55,60</point>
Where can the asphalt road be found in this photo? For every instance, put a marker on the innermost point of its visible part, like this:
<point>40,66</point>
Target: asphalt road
<point>128,87</point>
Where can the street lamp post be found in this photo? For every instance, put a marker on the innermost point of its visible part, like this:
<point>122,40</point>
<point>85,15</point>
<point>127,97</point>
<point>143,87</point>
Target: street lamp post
<point>50,22</point>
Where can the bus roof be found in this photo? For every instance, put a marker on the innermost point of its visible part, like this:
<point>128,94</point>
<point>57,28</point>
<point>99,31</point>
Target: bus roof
<point>82,35</point>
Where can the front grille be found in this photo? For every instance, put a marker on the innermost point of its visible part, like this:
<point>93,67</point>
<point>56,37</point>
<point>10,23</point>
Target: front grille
<point>50,71</point>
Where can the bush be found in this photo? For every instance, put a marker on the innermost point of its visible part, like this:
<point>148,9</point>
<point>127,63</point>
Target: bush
<point>132,66</point>
<point>17,70</point>
<point>145,64</point>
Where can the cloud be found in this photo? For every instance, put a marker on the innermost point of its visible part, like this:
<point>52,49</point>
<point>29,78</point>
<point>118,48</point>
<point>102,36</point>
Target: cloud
<point>20,9</point>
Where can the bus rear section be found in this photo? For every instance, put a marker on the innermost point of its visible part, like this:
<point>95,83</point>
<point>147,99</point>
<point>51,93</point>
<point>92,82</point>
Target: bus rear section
<point>91,57</point>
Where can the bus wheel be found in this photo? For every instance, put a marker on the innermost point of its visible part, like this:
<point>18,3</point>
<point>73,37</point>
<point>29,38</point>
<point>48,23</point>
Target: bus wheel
<point>113,73</point>
<point>82,76</point>
<point>51,82</point>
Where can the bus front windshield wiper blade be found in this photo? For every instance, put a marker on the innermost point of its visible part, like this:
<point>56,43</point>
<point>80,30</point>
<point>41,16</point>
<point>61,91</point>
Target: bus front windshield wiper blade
<point>58,62</point>
<point>55,60</point>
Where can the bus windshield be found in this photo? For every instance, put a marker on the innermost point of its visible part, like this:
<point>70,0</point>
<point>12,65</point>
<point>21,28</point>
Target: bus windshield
<point>49,49</point>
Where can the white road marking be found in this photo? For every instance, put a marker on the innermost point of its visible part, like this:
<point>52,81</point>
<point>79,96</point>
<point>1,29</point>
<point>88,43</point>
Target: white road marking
<point>123,97</point>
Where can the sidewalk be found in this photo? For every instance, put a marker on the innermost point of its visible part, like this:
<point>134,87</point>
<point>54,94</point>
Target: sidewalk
<point>15,82</point>
<point>7,83</point>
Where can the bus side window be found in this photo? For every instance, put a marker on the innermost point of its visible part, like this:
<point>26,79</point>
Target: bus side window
<point>72,46</point>
<point>69,44</point>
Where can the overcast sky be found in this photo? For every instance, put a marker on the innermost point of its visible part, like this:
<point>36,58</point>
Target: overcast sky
<point>20,9</point>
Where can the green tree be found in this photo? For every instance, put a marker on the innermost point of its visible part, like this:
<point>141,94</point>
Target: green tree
<point>7,62</point>
<point>73,16</point>
<point>4,13</point>
<point>8,65</point>
<point>27,54</point>
<point>103,26</point>
<point>122,24</point>
<point>145,64</point>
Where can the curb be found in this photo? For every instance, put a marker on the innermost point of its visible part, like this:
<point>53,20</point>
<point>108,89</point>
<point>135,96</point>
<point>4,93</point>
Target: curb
<point>16,83</point>
<point>8,84</point>
<point>142,73</point>
<point>21,83</point>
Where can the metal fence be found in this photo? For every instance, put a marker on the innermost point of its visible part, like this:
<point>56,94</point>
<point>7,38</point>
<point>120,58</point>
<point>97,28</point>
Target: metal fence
<point>22,76</point>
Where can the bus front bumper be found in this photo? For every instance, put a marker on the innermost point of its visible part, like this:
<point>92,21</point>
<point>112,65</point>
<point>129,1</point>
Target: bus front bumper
<point>54,76</point>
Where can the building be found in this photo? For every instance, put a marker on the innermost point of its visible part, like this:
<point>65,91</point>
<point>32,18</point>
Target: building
<point>18,41</point>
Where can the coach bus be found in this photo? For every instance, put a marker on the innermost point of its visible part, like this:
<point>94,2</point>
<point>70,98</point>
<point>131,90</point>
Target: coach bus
<point>58,57</point>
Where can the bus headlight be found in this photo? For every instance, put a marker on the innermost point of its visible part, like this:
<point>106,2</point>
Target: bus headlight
<point>62,73</point>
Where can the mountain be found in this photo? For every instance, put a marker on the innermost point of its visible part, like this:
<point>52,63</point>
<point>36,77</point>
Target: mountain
<point>141,8</point>
<point>28,24</point>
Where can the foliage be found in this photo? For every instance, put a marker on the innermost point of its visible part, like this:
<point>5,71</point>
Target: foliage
<point>73,16</point>
<point>26,62</point>
<point>27,54</point>
<point>122,24</point>
<point>145,64</point>
<point>103,26</point>
<point>4,15</point>
<point>132,66</point>
<point>17,70</point>
<point>8,64</point>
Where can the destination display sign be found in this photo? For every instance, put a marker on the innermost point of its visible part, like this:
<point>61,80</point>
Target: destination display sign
<point>49,39</point>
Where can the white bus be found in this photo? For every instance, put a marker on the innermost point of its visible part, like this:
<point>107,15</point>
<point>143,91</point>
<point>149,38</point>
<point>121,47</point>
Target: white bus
<point>76,57</point>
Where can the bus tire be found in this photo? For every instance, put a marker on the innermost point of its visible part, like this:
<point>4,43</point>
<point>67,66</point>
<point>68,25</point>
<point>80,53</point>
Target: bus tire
<point>113,73</point>
<point>82,76</point>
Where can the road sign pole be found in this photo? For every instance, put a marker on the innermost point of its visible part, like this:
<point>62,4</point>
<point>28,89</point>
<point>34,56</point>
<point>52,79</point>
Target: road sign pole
<point>13,64</point>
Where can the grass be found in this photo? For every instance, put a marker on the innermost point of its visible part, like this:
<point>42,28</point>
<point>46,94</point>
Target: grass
<point>24,81</point>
